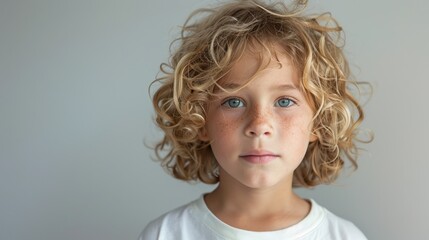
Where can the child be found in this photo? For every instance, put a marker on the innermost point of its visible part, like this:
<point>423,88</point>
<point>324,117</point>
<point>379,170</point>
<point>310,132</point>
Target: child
<point>257,101</point>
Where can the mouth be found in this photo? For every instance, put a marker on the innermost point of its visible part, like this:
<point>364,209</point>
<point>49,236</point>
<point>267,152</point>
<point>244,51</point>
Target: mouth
<point>259,157</point>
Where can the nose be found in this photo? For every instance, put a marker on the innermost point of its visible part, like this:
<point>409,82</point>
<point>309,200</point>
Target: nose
<point>259,124</point>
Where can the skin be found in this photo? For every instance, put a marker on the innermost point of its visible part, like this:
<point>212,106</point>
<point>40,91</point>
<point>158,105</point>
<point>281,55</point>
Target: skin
<point>259,135</point>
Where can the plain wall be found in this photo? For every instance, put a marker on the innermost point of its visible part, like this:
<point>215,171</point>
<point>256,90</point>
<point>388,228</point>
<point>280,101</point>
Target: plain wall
<point>75,113</point>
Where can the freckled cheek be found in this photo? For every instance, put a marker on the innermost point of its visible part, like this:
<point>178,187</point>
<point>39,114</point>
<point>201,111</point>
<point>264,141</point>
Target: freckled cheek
<point>224,137</point>
<point>302,127</point>
<point>294,125</point>
<point>222,127</point>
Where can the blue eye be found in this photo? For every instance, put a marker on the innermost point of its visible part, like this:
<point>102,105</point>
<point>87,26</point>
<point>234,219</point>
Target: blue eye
<point>284,102</point>
<point>233,103</point>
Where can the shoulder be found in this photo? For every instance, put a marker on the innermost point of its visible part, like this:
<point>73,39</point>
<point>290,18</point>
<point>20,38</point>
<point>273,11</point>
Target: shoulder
<point>173,224</point>
<point>167,222</point>
<point>339,228</point>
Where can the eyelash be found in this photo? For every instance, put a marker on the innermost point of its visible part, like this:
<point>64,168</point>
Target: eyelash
<point>227,102</point>
<point>290,102</point>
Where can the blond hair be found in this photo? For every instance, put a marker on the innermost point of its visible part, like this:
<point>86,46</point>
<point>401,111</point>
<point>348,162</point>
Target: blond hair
<point>211,41</point>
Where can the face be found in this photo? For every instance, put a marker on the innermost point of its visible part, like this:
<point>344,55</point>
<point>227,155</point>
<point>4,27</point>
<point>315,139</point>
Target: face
<point>260,133</point>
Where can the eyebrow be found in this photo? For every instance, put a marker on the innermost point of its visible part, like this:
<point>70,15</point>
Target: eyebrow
<point>286,86</point>
<point>230,85</point>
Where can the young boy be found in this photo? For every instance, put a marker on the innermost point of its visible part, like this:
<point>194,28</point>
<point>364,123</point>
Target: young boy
<point>256,99</point>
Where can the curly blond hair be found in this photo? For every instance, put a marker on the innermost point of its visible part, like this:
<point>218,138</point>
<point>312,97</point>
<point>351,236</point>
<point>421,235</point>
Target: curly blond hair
<point>212,40</point>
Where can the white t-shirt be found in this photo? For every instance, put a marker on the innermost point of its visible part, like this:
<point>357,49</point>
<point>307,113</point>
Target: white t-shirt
<point>195,221</point>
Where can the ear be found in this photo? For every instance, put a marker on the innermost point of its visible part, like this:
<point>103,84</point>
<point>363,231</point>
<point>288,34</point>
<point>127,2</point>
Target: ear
<point>203,135</point>
<point>313,136</point>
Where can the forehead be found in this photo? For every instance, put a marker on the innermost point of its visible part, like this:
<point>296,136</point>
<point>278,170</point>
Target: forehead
<point>257,61</point>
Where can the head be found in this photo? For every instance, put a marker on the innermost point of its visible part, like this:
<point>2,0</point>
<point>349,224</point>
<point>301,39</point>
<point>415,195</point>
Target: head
<point>212,41</point>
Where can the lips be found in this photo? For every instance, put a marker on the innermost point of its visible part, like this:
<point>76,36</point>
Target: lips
<point>259,157</point>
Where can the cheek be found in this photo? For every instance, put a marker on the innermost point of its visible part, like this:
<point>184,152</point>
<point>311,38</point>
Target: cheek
<point>222,134</point>
<point>297,128</point>
<point>221,127</point>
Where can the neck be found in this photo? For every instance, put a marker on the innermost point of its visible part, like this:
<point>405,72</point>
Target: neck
<point>257,209</point>
<point>248,201</point>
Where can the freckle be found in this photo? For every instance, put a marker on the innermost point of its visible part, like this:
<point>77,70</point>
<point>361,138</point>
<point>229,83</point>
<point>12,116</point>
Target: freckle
<point>223,126</point>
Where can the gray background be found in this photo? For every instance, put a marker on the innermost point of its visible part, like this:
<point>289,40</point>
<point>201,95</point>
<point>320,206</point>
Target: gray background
<point>75,113</point>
